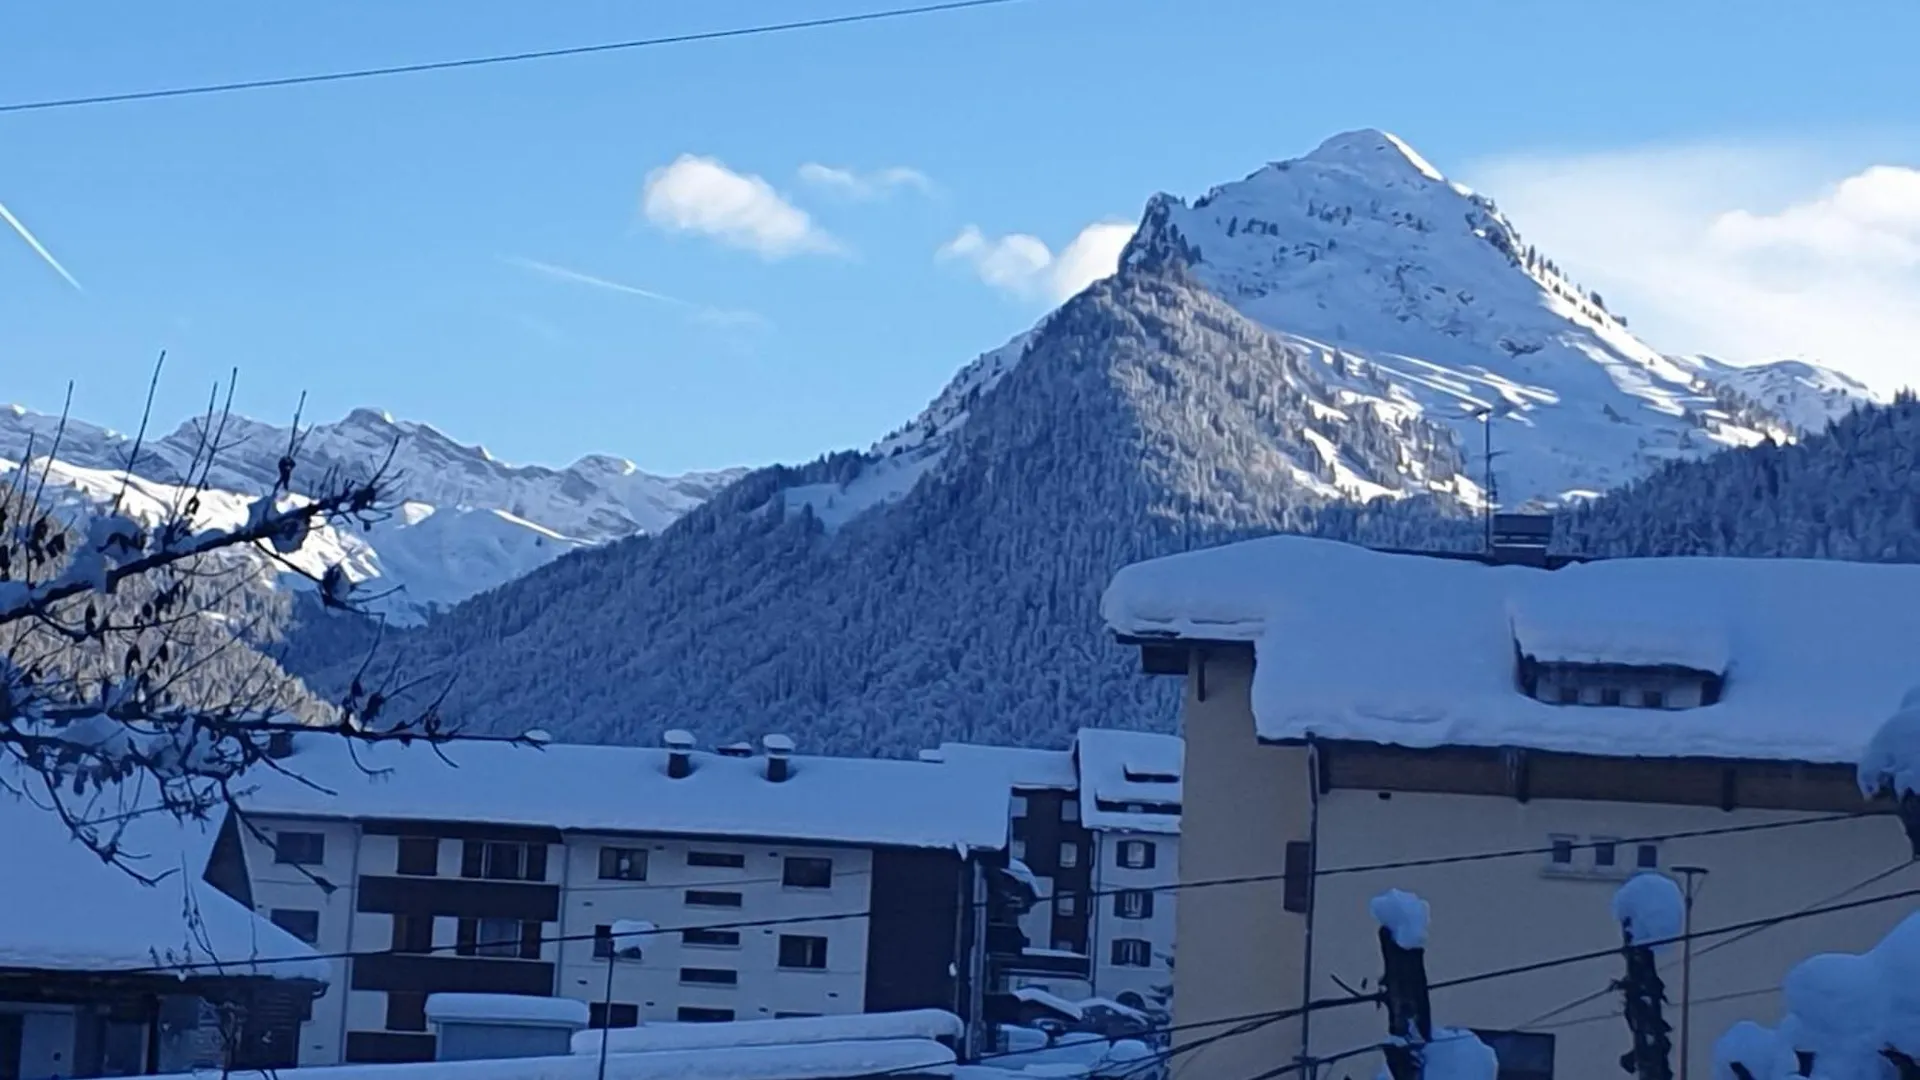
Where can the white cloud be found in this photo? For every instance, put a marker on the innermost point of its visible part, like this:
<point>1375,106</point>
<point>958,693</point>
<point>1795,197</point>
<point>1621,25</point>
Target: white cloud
<point>701,195</point>
<point>864,186</point>
<point>1025,267</point>
<point>1748,252</point>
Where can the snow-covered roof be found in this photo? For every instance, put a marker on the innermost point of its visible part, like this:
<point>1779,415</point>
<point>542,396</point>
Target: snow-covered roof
<point>818,1061</point>
<point>64,909</point>
<point>1047,999</point>
<point>1022,768</point>
<point>831,800</point>
<point>514,1009</point>
<point>786,1031</point>
<point>1123,769</point>
<point>1407,650</point>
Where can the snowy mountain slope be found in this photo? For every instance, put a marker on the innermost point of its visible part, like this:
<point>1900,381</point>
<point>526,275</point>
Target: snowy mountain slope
<point>1363,247</point>
<point>1807,396</point>
<point>468,522</point>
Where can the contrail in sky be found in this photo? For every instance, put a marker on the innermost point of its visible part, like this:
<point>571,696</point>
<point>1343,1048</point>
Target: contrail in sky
<point>19,227</point>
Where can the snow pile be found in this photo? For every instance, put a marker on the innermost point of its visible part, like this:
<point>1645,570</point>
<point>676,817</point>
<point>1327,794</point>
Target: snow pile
<point>626,789</point>
<point>913,1025</point>
<point>1814,648</point>
<point>69,911</point>
<point>1890,765</point>
<point>1129,779</point>
<point>514,1009</point>
<point>1842,1008</point>
<point>1458,1054</point>
<point>1650,908</point>
<point>1404,915</point>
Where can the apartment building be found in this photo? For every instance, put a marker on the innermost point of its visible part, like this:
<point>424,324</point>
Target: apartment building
<point>1097,826</point>
<point>1351,714</point>
<point>655,884</point>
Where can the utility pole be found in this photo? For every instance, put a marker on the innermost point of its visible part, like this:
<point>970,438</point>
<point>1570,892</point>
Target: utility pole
<point>606,1006</point>
<point>1690,887</point>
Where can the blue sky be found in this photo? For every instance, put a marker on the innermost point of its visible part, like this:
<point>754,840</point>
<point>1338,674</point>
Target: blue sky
<point>423,243</point>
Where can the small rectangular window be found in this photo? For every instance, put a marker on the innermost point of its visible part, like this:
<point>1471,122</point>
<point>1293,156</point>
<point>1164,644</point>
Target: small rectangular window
<point>725,860</point>
<point>1605,852</point>
<point>300,848</point>
<point>1560,851</point>
<point>413,933</point>
<point>711,898</point>
<point>807,873</point>
<point>1609,695</point>
<point>1653,699</point>
<point>1132,952</point>
<point>531,938</point>
<point>783,1015</point>
<point>1019,806</point>
<point>1297,888</point>
<point>497,937</point>
<point>803,951</point>
<point>1133,904</point>
<point>1069,856</point>
<point>1066,905</point>
<point>689,1014</point>
<point>1069,809</point>
<point>711,939</point>
<point>1647,857</point>
<point>1137,854</point>
<point>505,862</point>
<point>419,856</point>
<point>623,864</point>
<point>625,1015</point>
<point>1018,848</point>
<point>304,925</point>
<point>406,1010</point>
<point>1568,694</point>
<point>710,976</point>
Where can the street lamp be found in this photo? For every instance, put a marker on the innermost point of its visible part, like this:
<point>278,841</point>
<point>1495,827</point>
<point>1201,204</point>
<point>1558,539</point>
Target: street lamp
<point>1692,876</point>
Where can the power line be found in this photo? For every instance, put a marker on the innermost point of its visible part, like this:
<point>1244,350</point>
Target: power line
<point>500,58</point>
<point>1087,894</point>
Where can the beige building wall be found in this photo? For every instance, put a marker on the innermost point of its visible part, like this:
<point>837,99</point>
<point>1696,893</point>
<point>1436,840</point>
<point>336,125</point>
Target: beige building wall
<point>1237,951</point>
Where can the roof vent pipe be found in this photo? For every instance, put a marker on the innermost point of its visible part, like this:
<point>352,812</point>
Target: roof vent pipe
<point>679,753</point>
<point>779,757</point>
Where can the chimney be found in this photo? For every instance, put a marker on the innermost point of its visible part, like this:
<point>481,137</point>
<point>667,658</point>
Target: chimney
<point>933,757</point>
<point>738,749</point>
<point>779,757</point>
<point>279,745</point>
<point>679,753</point>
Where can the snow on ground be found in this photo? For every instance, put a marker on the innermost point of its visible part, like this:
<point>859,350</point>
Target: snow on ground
<point>1891,762</point>
<point>1404,915</point>
<point>63,909</point>
<point>1650,908</point>
<point>1123,769</point>
<point>506,1009</point>
<point>901,1058</point>
<point>878,483</point>
<point>913,1024</point>
<point>627,789</point>
<point>1805,395</point>
<point>1817,651</point>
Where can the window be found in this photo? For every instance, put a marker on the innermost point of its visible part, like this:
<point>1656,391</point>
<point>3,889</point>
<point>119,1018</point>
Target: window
<point>710,976</point>
<point>1609,695</point>
<point>497,937</point>
<point>807,873</point>
<point>625,1015</point>
<point>1069,855</point>
<point>710,898</point>
<point>1018,848</point>
<point>803,951</point>
<point>689,1014</point>
<point>1066,905</point>
<point>300,848</point>
<point>1647,857</point>
<point>1605,852</point>
<point>1132,952</point>
<point>1133,904</point>
<point>1137,854</point>
<point>406,1010</point>
<point>1069,809</point>
<point>723,859</point>
<point>304,925</point>
<point>1568,694</point>
<point>1560,854</point>
<point>1653,699</point>
<point>711,939</point>
<point>503,860</point>
<point>1297,886</point>
<point>413,933</point>
<point>1523,1055</point>
<point>419,856</point>
<point>623,864</point>
<point>781,1015</point>
<point>1019,806</point>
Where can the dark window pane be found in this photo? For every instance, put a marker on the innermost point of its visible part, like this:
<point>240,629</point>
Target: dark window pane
<point>419,856</point>
<point>623,864</point>
<point>1604,852</point>
<point>803,951</point>
<point>464,937</point>
<point>722,859</point>
<point>715,939</point>
<point>1132,952</point>
<point>1653,699</point>
<point>473,858</point>
<point>1610,695</point>
<point>710,898</point>
<point>1297,890</point>
<point>300,848</point>
<point>690,1015</point>
<point>530,940</point>
<point>710,976</point>
<point>807,873</point>
<point>536,862</point>
<point>1562,853</point>
<point>413,933</point>
<point>1648,857</point>
<point>1133,904</point>
<point>505,861</point>
<point>407,1010</point>
<point>304,925</point>
<point>498,937</point>
<point>625,1014</point>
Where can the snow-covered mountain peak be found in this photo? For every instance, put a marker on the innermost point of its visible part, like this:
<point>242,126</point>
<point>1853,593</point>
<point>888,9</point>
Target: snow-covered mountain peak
<point>1380,156</point>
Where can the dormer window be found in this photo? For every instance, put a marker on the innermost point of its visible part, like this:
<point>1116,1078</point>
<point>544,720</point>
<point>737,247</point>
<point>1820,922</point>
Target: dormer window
<point>1143,776</point>
<point>1609,695</point>
<point>1653,699</point>
<point>1617,685</point>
